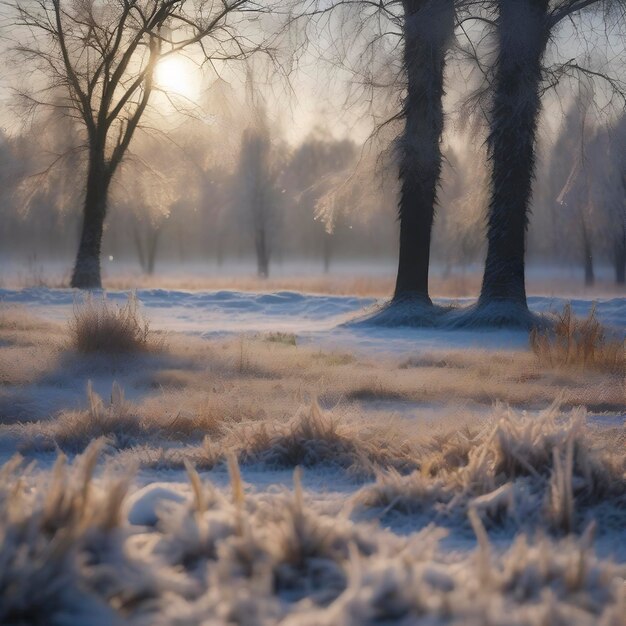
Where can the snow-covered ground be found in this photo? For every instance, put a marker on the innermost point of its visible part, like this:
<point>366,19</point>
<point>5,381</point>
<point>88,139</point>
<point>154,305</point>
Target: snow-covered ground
<point>353,544</point>
<point>316,318</point>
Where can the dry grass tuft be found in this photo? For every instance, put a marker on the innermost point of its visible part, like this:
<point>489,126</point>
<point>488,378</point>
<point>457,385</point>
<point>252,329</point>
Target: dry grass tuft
<point>57,542</point>
<point>15,317</point>
<point>98,326</point>
<point>314,437</point>
<point>579,343</point>
<point>525,469</point>
<point>117,421</point>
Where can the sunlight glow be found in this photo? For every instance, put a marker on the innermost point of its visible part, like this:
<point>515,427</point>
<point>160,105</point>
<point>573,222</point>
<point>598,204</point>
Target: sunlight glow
<point>178,75</point>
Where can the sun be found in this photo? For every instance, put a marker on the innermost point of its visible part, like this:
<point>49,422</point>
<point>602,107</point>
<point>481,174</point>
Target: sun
<point>178,75</point>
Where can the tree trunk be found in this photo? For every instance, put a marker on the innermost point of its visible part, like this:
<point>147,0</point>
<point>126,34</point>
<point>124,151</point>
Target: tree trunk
<point>522,35</point>
<point>327,250</point>
<point>428,30</point>
<point>619,258</point>
<point>139,246</point>
<point>219,250</point>
<point>262,253</point>
<point>86,274</point>
<point>153,243</point>
<point>588,255</point>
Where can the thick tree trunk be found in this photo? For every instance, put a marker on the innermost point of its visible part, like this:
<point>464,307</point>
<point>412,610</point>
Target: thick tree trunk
<point>428,30</point>
<point>86,274</point>
<point>523,34</point>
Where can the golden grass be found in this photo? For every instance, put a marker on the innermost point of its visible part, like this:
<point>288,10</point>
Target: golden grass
<point>237,390</point>
<point>314,437</point>
<point>18,318</point>
<point>545,469</point>
<point>98,326</point>
<point>579,343</point>
<point>66,545</point>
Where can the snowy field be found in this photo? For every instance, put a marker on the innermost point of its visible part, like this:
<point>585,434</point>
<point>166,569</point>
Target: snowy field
<point>263,462</point>
<point>319,319</point>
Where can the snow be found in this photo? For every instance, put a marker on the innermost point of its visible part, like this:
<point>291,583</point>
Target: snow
<point>315,319</point>
<point>142,507</point>
<point>161,500</point>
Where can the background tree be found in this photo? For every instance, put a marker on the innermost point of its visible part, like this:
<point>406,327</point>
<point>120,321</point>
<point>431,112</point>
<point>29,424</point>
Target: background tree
<point>146,191</point>
<point>458,238</point>
<point>314,170</point>
<point>259,193</point>
<point>104,57</point>
<point>614,197</point>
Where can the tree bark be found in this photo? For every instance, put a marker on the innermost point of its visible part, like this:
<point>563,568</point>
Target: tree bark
<point>523,32</point>
<point>139,246</point>
<point>86,274</point>
<point>428,30</point>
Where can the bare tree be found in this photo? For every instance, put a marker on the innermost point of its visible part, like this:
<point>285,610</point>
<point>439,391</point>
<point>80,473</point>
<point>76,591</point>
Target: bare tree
<point>146,190</point>
<point>606,162</point>
<point>258,195</point>
<point>615,197</point>
<point>103,56</point>
<point>576,198</point>
<point>316,168</point>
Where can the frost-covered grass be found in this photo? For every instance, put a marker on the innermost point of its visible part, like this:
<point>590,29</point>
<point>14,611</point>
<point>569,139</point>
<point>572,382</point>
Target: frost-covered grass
<point>98,326</point>
<point>547,470</point>
<point>70,555</point>
<point>448,487</point>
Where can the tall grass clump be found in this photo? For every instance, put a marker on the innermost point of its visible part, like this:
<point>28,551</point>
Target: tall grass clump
<point>117,421</point>
<point>579,343</point>
<point>99,326</point>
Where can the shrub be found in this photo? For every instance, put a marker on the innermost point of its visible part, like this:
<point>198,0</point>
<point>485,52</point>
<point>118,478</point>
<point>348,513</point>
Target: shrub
<point>575,342</point>
<point>98,326</point>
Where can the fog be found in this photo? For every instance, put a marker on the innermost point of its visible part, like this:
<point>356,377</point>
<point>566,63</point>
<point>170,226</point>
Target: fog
<point>316,132</point>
